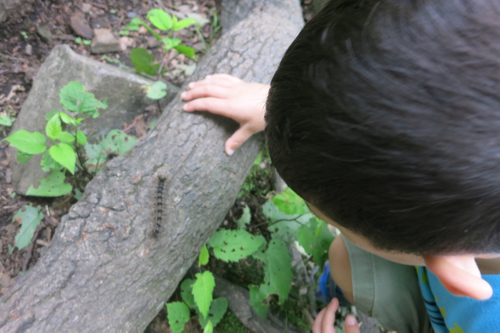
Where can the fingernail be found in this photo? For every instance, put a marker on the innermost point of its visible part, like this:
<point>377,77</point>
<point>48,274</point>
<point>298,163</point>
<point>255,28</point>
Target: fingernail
<point>183,95</point>
<point>191,85</point>
<point>185,107</point>
<point>230,152</point>
<point>351,321</point>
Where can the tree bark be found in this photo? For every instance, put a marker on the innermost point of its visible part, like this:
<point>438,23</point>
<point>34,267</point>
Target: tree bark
<point>103,272</point>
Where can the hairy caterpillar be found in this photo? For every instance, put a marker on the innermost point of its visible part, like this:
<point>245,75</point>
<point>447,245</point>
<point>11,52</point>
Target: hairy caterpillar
<point>158,213</point>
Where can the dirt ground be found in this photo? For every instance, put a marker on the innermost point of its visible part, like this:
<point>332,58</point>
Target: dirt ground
<point>25,42</point>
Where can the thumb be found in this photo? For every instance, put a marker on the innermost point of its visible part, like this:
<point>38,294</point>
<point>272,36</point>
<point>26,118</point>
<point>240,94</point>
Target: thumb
<point>237,139</point>
<point>351,325</point>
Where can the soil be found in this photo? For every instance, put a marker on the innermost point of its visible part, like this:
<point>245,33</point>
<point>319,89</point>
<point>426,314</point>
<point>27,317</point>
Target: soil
<point>24,45</point>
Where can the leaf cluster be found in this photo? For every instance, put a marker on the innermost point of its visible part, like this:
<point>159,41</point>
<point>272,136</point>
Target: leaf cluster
<point>67,149</point>
<point>143,61</point>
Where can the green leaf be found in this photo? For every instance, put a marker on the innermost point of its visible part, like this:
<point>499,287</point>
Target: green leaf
<point>183,23</point>
<point>286,228</point>
<point>66,137</point>
<point>95,154</point>
<point>217,310</point>
<point>64,155</point>
<point>66,119</point>
<point>204,256</point>
<point>170,42</point>
<point>245,218</point>
<point>157,90</point>
<point>233,245</point>
<point>51,186</point>
<point>23,157</point>
<point>134,24</point>
<point>187,292</point>
<point>200,20</point>
<point>160,19</point>
<point>202,291</point>
<point>209,328</point>
<point>258,301</point>
<point>315,245</point>
<point>53,127</point>
<point>81,138</point>
<point>74,99</point>
<point>6,120</point>
<point>278,268</point>
<point>143,61</point>
<point>178,316</point>
<point>29,143</point>
<point>290,203</point>
<point>186,50</point>
<point>49,164</point>
<point>51,114</point>
<point>30,218</point>
<point>119,141</point>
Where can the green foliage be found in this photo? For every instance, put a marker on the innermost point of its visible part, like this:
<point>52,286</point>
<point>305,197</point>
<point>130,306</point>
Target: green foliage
<point>278,268</point>
<point>30,218</point>
<point>142,60</point>
<point>178,316</point>
<point>233,245</point>
<point>6,120</point>
<point>209,328</point>
<point>187,293</point>
<point>290,203</point>
<point>157,90</point>
<point>245,218</point>
<point>51,186</point>
<point>217,310</point>
<point>27,142</point>
<point>315,238</point>
<point>258,300</point>
<point>67,143</point>
<point>203,288</point>
<point>74,99</point>
<point>204,256</point>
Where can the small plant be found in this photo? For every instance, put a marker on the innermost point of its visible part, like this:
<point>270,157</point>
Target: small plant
<point>69,150</point>
<point>29,217</point>
<point>81,41</point>
<point>6,121</point>
<point>197,295</point>
<point>289,221</point>
<point>144,61</point>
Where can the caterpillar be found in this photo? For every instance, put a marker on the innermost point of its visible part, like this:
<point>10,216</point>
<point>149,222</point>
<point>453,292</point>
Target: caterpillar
<point>158,216</point>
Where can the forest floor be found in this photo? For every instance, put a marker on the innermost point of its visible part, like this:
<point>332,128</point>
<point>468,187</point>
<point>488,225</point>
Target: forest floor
<point>25,42</point>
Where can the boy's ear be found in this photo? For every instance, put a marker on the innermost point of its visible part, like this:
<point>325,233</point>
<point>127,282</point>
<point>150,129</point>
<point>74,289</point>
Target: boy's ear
<point>460,276</point>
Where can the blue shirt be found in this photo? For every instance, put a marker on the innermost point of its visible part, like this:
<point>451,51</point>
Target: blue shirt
<point>456,314</point>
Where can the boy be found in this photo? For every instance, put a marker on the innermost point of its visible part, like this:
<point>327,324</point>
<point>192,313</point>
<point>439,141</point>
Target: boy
<point>384,117</point>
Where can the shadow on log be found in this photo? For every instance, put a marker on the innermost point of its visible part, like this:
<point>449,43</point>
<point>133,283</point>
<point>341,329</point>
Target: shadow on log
<point>102,271</point>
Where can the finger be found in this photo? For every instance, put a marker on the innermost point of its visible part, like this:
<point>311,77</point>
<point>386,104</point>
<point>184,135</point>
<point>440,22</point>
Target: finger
<point>210,104</point>
<point>223,80</point>
<point>329,317</point>
<point>237,139</point>
<point>205,91</point>
<point>317,322</point>
<point>351,325</point>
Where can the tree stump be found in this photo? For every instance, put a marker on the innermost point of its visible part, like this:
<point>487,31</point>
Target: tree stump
<point>103,272</point>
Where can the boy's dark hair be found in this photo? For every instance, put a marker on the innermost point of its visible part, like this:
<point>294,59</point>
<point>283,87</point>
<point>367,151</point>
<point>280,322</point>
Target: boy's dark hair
<point>386,116</point>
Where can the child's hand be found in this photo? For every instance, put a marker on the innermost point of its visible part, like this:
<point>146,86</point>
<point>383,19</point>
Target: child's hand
<point>231,97</point>
<point>325,319</point>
